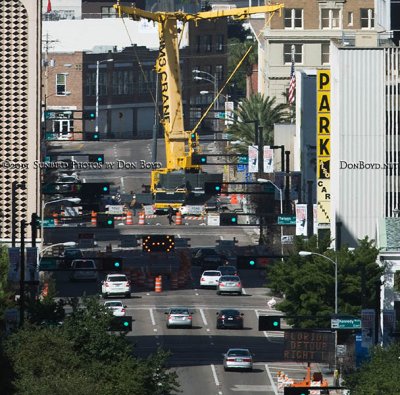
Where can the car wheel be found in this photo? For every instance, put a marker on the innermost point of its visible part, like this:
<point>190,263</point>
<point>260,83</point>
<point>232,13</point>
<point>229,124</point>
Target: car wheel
<point>168,326</point>
<point>218,293</point>
<point>128,295</point>
<point>225,368</point>
<point>104,296</point>
<point>240,293</point>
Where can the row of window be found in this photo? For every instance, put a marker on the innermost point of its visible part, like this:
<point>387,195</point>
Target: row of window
<point>330,18</point>
<point>296,50</point>
<point>204,43</point>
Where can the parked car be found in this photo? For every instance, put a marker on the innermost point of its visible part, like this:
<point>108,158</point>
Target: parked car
<point>229,284</point>
<point>238,358</point>
<point>116,284</point>
<point>116,307</point>
<point>229,318</point>
<point>228,270</point>
<point>209,278</point>
<point>208,259</point>
<point>83,269</point>
<point>179,316</point>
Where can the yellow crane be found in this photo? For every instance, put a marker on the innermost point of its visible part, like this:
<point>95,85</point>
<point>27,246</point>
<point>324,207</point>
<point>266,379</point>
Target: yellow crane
<point>178,142</point>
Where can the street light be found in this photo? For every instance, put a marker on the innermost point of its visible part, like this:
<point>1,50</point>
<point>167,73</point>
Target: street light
<point>71,200</point>
<point>97,91</point>
<point>263,180</point>
<point>213,80</point>
<point>65,244</point>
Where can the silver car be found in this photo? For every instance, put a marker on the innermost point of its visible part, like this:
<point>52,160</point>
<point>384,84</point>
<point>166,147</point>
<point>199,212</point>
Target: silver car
<point>238,358</point>
<point>229,284</point>
<point>179,316</point>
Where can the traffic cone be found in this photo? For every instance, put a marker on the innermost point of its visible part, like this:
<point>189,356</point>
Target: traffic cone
<point>158,287</point>
<point>141,218</point>
<point>93,219</point>
<point>129,219</point>
<point>178,218</point>
<point>56,220</point>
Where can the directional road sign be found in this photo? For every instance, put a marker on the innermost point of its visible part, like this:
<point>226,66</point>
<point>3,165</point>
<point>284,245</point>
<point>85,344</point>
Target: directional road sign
<point>340,323</point>
<point>286,220</point>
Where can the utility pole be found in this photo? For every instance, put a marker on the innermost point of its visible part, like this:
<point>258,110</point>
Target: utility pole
<point>15,186</point>
<point>310,209</point>
<point>22,277</point>
<point>260,143</point>
<point>287,187</point>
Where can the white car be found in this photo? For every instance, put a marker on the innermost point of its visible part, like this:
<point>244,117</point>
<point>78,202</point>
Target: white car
<point>83,269</point>
<point>210,278</point>
<point>116,307</point>
<point>116,284</point>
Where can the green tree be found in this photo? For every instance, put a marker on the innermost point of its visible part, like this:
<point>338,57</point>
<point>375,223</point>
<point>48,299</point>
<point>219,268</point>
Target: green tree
<point>308,283</point>
<point>378,376</point>
<point>4,268</point>
<point>83,358</point>
<point>256,108</point>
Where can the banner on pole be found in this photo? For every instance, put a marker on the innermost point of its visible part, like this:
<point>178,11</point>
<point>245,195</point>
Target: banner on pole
<point>301,220</point>
<point>253,158</point>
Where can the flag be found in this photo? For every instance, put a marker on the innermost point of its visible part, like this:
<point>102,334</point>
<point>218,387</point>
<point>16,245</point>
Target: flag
<point>292,84</point>
<point>48,5</point>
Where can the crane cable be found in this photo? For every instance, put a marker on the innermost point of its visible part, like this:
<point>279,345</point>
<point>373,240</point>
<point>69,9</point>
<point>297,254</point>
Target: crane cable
<point>230,77</point>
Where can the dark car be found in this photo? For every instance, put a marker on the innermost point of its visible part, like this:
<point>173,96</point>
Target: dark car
<point>69,255</point>
<point>228,270</point>
<point>208,258</point>
<point>229,318</point>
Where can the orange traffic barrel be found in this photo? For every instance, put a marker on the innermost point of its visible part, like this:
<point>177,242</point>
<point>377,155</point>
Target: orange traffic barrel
<point>141,218</point>
<point>234,199</point>
<point>174,280</point>
<point>178,218</point>
<point>158,286</point>
<point>56,220</point>
<point>93,219</point>
<point>129,220</point>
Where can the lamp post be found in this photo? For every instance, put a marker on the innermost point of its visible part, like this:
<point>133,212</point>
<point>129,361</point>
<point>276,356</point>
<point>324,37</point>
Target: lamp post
<point>213,80</point>
<point>65,244</point>
<point>97,91</point>
<point>262,180</point>
<point>71,200</point>
<point>308,253</point>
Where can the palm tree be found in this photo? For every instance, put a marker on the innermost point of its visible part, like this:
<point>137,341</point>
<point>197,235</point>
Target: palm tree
<point>256,108</point>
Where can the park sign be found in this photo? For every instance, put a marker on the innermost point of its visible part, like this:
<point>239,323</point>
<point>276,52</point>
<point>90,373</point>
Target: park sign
<point>348,323</point>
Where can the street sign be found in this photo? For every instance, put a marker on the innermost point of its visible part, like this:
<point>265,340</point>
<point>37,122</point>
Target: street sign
<point>286,220</point>
<point>58,114</point>
<point>287,239</point>
<point>241,168</point>
<point>220,115</point>
<point>339,323</point>
<point>47,263</point>
<point>243,160</point>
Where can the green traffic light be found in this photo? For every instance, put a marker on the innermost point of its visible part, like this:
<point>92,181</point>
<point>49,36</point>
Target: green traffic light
<point>233,219</point>
<point>116,264</point>
<point>95,136</point>
<point>252,262</point>
<point>275,323</point>
<point>99,159</point>
<point>126,323</point>
<point>109,222</point>
<point>105,189</point>
<point>217,188</point>
<point>203,159</point>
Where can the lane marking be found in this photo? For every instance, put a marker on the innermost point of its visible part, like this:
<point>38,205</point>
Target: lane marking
<point>152,316</point>
<point>214,372</point>
<point>271,380</point>
<point>221,237</point>
<point>203,317</point>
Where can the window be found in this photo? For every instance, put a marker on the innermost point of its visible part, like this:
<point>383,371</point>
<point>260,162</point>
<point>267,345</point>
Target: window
<point>367,18</point>
<point>208,43</point>
<point>219,72</point>
<point>61,84</point>
<point>108,12</point>
<point>102,84</point>
<point>396,281</point>
<point>298,53</point>
<point>325,53</point>
<point>330,18</point>
<point>90,86</point>
<point>146,82</point>
<point>350,17</point>
<point>198,44</point>
<point>293,18</point>
<point>122,82</point>
<point>220,43</point>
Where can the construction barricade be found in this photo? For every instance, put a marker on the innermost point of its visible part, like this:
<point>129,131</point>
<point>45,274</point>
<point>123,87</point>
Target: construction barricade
<point>129,218</point>
<point>141,218</point>
<point>93,218</point>
<point>158,284</point>
<point>178,218</point>
<point>56,219</point>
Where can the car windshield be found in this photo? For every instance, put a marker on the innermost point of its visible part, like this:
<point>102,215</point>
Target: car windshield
<point>229,312</point>
<point>212,273</point>
<point>84,265</point>
<point>179,311</point>
<point>117,278</point>
<point>229,278</point>
<point>238,353</point>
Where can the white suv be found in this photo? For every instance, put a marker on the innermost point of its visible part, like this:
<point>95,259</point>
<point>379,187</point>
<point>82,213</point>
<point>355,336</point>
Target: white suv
<point>210,278</point>
<point>116,284</point>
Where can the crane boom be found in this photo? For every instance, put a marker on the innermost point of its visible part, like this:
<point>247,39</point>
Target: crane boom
<point>178,143</point>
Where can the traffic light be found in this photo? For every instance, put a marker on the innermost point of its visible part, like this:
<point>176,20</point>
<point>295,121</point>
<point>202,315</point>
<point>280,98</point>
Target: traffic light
<point>97,158</point>
<point>89,136</point>
<point>112,263</point>
<point>121,324</point>
<point>88,114</point>
<point>199,159</point>
<point>35,225</point>
<point>228,219</point>
<point>105,221</point>
<point>246,262</point>
<point>158,243</point>
<point>269,323</point>
<point>212,188</point>
<point>93,189</point>
<point>296,391</point>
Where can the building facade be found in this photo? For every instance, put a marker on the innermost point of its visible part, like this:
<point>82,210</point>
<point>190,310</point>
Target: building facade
<point>19,112</point>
